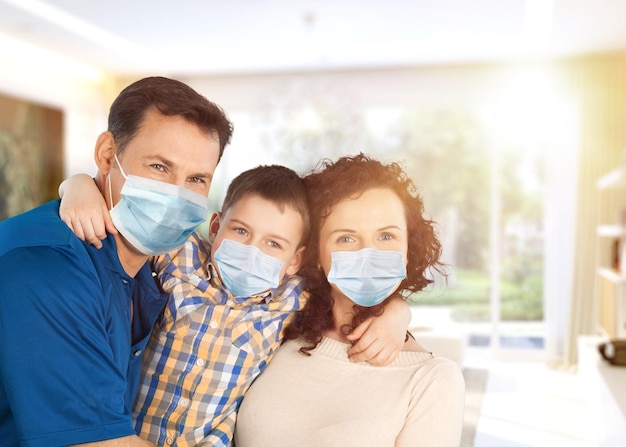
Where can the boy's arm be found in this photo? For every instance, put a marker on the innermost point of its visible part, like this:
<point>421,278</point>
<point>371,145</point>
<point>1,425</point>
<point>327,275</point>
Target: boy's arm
<point>127,441</point>
<point>378,340</point>
<point>84,209</point>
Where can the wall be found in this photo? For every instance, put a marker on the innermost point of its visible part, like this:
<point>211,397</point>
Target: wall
<point>82,93</point>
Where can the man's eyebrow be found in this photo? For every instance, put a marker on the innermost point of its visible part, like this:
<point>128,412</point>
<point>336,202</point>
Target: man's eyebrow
<point>166,162</point>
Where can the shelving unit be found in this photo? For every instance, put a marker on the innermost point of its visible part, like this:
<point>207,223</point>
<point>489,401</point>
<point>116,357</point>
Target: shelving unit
<point>604,384</point>
<point>610,278</point>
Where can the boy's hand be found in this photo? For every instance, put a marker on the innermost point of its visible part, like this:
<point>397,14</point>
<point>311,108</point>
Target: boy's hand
<point>378,340</point>
<point>84,210</point>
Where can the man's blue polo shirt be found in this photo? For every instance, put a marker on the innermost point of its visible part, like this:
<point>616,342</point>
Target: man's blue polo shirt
<point>69,358</point>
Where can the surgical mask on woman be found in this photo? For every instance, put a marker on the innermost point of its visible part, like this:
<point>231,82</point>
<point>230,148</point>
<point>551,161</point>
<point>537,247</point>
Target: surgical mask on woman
<point>367,276</point>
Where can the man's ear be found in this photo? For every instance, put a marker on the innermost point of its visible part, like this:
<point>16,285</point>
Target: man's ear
<point>105,151</point>
<point>214,225</point>
<point>296,262</point>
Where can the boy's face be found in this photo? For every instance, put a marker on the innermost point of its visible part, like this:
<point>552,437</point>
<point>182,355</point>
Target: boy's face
<point>253,220</point>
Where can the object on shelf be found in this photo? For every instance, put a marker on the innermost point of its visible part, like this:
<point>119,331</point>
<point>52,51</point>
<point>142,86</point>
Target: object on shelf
<point>614,352</point>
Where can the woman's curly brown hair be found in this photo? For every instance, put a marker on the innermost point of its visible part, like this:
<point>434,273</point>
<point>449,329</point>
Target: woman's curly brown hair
<point>349,177</point>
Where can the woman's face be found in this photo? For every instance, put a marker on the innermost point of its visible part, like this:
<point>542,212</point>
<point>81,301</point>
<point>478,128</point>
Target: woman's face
<point>376,219</point>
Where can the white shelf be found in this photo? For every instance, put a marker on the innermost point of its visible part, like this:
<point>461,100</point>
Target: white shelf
<point>611,231</point>
<point>615,178</point>
<point>611,275</point>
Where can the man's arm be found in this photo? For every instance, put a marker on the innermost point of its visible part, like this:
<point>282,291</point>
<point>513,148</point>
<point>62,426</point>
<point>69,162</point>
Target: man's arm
<point>57,366</point>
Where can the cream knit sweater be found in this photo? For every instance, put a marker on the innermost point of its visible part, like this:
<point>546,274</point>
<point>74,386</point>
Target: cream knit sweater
<point>325,401</point>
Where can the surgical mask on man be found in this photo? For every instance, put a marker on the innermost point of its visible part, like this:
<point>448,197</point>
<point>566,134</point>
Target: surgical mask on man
<point>367,276</point>
<point>245,270</point>
<point>156,217</point>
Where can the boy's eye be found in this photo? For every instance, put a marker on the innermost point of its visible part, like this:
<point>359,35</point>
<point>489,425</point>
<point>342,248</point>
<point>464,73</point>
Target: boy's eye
<point>345,239</point>
<point>241,231</point>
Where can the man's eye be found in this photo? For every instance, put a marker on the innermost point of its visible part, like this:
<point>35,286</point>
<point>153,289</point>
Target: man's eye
<point>196,180</point>
<point>158,167</point>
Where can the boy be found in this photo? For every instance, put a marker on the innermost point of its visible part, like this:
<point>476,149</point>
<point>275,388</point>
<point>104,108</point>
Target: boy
<point>226,310</point>
<point>210,344</point>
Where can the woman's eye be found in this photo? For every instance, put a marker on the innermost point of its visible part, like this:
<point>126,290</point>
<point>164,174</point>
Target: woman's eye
<point>345,239</point>
<point>273,244</point>
<point>387,236</point>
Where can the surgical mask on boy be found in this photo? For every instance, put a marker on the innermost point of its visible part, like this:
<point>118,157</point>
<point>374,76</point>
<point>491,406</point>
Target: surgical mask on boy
<point>156,217</point>
<point>245,270</point>
<point>367,276</point>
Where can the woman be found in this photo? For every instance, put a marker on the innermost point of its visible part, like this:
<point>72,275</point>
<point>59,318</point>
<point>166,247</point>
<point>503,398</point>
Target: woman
<point>369,242</point>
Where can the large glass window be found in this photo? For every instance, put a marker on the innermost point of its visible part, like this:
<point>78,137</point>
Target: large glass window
<point>496,177</point>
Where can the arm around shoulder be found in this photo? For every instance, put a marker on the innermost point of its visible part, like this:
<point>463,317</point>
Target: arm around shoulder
<point>84,209</point>
<point>126,441</point>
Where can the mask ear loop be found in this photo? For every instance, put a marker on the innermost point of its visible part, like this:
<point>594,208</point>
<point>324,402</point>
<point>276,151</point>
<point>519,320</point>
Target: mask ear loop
<point>109,180</point>
<point>110,193</point>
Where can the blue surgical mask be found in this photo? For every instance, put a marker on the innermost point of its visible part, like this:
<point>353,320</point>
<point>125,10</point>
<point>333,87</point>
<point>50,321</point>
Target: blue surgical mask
<point>245,270</point>
<point>156,217</point>
<point>367,276</point>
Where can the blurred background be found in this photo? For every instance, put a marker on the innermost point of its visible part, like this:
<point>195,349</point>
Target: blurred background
<point>506,113</point>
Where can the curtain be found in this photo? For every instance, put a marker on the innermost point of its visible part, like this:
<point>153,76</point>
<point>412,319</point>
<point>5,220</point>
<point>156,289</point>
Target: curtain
<point>599,83</point>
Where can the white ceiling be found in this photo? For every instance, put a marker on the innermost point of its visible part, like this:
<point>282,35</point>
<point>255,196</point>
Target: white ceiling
<point>192,37</point>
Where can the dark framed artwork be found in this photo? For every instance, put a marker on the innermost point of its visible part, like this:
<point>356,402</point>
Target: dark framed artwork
<point>31,155</point>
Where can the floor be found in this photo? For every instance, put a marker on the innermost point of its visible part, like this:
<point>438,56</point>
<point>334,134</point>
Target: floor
<point>526,403</point>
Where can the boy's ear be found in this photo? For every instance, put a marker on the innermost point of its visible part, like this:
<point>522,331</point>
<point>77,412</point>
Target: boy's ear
<point>296,262</point>
<point>105,150</point>
<point>214,226</point>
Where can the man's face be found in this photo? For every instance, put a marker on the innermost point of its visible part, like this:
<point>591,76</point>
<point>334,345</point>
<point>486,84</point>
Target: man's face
<point>171,150</point>
<point>253,220</point>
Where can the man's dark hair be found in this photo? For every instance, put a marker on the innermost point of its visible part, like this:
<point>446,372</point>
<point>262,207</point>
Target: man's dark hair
<point>171,98</point>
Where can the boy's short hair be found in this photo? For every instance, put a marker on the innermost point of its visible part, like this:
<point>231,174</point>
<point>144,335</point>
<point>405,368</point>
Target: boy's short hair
<point>278,184</point>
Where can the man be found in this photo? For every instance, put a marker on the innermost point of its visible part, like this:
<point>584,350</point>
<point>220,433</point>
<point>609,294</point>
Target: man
<point>74,320</point>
